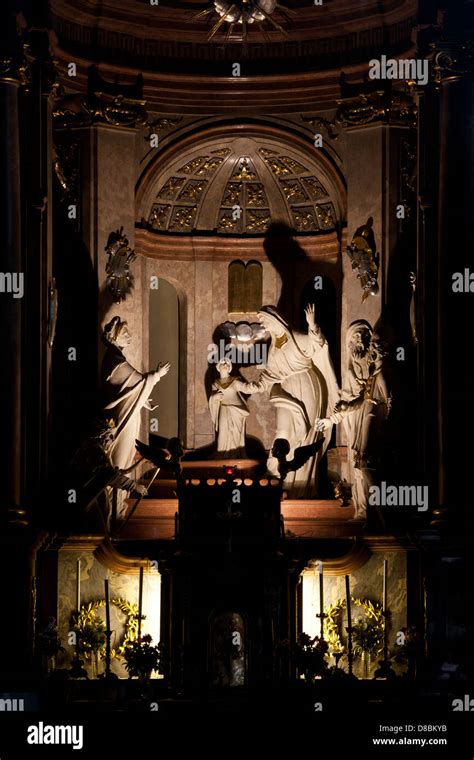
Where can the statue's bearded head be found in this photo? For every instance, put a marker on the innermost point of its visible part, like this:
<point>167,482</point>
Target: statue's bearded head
<point>117,333</point>
<point>360,342</point>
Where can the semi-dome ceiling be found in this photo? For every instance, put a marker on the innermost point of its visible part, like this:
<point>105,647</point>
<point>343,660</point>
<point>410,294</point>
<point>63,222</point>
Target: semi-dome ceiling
<point>241,186</point>
<point>166,35</point>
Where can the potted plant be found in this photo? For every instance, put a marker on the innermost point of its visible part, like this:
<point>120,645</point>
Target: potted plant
<point>141,658</point>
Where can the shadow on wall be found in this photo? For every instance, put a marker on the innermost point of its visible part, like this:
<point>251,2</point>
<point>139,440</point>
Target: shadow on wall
<point>75,390</point>
<point>288,258</point>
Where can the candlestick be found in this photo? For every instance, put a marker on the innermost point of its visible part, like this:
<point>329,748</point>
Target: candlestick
<point>107,627</point>
<point>77,671</point>
<point>140,600</point>
<point>78,585</point>
<point>321,598</point>
<point>107,605</point>
<point>384,609</point>
<point>349,624</point>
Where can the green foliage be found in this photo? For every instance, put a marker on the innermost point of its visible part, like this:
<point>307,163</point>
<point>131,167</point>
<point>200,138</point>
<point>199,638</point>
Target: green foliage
<point>141,658</point>
<point>90,630</point>
<point>48,641</point>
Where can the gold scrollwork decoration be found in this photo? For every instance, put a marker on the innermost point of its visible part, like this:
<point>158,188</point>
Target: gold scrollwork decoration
<point>293,191</point>
<point>193,190</point>
<point>183,218</point>
<point>258,221</point>
<point>244,171</point>
<point>171,188</point>
<point>304,219</point>
<point>256,195</point>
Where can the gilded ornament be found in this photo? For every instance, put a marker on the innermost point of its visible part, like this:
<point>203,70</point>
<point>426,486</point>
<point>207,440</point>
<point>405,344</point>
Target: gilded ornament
<point>257,223</point>
<point>256,195</point>
<point>183,218</point>
<point>193,191</point>
<point>171,188</point>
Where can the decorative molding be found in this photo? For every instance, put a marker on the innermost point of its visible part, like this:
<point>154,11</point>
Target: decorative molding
<point>452,61</point>
<point>384,106</point>
<point>15,70</point>
<point>356,558</point>
<point>100,108</point>
<point>324,247</point>
<point>107,555</point>
<point>145,48</point>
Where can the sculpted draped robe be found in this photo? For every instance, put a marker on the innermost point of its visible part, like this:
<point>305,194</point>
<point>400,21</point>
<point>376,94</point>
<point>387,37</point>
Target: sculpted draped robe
<point>302,384</point>
<point>125,392</point>
<point>228,416</point>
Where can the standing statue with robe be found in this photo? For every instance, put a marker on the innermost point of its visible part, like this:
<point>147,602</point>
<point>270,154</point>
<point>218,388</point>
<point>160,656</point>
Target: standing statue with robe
<point>300,379</point>
<point>126,392</point>
<point>229,411</point>
<point>364,409</point>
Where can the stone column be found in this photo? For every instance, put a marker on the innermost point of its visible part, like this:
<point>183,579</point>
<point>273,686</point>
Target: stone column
<point>454,71</point>
<point>11,308</point>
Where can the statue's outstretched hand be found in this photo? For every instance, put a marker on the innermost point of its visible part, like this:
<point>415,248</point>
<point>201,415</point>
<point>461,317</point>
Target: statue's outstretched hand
<point>163,369</point>
<point>248,388</point>
<point>150,406</point>
<point>322,424</point>
<point>310,316</point>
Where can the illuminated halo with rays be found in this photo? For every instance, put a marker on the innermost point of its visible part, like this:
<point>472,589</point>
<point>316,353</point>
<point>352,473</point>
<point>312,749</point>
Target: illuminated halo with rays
<point>239,14</point>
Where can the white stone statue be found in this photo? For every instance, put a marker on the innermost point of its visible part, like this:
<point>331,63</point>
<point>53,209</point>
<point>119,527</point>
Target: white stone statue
<point>364,408</point>
<point>126,391</point>
<point>300,379</point>
<point>228,410</point>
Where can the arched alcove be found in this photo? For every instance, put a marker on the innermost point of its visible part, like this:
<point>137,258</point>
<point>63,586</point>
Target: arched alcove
<point>215,198</point>
<point>164,345</point>
<point>238,180</point>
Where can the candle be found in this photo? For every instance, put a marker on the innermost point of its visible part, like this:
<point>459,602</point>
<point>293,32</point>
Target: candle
<point>321,596</point>
<point>384,610</point>
<point>348,603</point>
<point>78,585</point>
<point>140,600</point>
<point>349,624</point>
<point>107,606</point>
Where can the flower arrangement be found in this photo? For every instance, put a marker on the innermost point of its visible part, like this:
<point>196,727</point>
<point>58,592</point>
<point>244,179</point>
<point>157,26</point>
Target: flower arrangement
<point>48,641</point>
<point>367,635</point>
<point>310,656</point>
<point>90,631</point>
<point>141,658</point>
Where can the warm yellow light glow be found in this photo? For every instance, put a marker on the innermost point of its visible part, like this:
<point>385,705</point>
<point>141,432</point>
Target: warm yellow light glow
<point>310,623</point>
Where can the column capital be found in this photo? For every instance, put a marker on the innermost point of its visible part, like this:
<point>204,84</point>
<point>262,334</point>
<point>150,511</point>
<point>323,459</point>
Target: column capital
<point>14,70</point>
<point>452,60</point>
